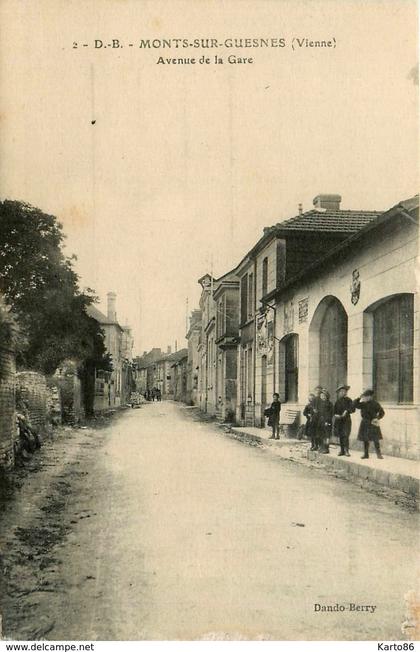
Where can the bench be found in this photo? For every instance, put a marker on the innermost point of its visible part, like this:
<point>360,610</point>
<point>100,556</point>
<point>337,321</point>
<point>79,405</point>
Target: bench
<point>287,419</point>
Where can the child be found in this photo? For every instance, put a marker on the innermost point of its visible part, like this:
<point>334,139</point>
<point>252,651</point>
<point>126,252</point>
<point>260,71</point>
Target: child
<point>308,412</point>
<point>369,430</point>
<point>343,407</point>
<point>324,409</point>
<point>273,414</point>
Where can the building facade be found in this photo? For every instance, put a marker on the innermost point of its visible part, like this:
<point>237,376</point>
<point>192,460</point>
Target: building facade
<point>207,348</point>
<point>226,302</point>
<point>179,369</point>
<point>353,317</point>
<point>284,251</point>
<point>193,337</point>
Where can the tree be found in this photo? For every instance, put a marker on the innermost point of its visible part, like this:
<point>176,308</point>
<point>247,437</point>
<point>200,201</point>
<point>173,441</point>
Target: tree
<point>39,283</point>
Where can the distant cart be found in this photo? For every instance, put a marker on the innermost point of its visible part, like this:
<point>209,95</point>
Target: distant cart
<point>136,399</point>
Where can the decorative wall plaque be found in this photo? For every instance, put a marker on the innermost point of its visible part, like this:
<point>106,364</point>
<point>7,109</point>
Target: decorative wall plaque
<point>303,308</point>
<point>262,334</point>
<point>355,287</point>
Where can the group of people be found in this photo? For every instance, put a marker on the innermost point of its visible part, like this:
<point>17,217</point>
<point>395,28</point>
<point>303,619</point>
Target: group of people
<point>153,394</point>
<point>325,419</point>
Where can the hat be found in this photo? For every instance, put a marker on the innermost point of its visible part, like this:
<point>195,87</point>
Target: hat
<point>318,387</point>
<point>346,387</point>
<point>368,392</point>
<point>325,391</point>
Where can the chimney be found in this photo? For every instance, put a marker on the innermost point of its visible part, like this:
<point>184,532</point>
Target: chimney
<point>169,350</point>
<point>111,312</point>
<point>327,202</point>
<point>300,209</point>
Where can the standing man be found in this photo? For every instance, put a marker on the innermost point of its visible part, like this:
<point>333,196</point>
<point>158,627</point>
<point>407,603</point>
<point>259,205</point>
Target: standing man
<point>274,416</point>
<point>369,430</point>
<point>316,417</point>
<point>343,407</point>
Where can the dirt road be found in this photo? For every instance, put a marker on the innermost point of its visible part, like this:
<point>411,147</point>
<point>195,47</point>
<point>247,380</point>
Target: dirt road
<point>160,527</point>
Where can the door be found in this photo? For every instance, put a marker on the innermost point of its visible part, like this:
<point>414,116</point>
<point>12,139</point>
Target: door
<point>333,347</point>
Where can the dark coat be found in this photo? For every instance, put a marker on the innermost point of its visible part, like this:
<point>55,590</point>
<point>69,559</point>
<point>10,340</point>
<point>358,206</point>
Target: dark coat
<point>342,426</point>
<point>369,410</point>
<point>323,416</point>
<point>308,412</point>
<point>274,413</point>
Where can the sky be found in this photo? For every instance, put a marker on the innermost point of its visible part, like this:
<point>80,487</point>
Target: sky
<point>160,172</point>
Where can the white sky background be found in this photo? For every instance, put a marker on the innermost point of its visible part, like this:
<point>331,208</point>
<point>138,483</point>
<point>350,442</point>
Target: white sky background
<point>188,161</point>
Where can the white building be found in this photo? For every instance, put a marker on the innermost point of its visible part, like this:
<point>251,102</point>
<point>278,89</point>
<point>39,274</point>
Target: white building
<point>352,316</point>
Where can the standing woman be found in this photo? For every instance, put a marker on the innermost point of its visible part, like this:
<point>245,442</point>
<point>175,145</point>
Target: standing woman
<point>371,411</point>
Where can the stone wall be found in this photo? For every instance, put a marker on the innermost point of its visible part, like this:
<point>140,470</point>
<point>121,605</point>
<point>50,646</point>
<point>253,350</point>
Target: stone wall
<point>8,431</point>
<point>68,382</point>
<point>31,399</point>
<point>54,409</point>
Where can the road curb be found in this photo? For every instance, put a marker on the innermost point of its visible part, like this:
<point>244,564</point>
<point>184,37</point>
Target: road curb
<point>399,481</point>
<point>350,468</point>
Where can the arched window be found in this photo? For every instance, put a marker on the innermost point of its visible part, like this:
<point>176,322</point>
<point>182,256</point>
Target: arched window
<point>291,368</point>
<point>333,346</point>
<point>393,334</point>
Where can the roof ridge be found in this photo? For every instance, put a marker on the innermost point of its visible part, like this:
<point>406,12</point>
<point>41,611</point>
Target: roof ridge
<point>326,216</point>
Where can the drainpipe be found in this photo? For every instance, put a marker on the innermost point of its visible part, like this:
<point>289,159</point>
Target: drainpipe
<point>275,345</point>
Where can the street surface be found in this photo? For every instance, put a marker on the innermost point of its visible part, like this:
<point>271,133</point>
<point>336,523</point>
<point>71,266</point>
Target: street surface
<point>161,527</point>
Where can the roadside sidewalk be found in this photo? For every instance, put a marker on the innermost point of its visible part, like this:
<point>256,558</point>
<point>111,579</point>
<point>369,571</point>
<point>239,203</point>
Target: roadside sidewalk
<point>393,472</point>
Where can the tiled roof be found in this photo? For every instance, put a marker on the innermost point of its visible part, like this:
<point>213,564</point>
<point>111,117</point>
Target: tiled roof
<point>406,207</point>
<point>93,312</point>
<point>178,355</point>
<point>338,221</point>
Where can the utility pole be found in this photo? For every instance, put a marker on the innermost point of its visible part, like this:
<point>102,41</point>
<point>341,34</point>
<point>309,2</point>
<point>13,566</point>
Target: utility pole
<point>211,274</point>
<point>186,315</point>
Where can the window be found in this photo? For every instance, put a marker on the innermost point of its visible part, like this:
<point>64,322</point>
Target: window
<point>244,298</point>
<point>393,333</point>
<point>264,280</point>
<point>250,295</point>
<point>243,375</point>
<point>291,363</point>
<point>250,379</point>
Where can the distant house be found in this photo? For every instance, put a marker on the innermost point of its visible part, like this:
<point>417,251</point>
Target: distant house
<point>158,370</point>
<point>113,389</point>
<point>179,364</point>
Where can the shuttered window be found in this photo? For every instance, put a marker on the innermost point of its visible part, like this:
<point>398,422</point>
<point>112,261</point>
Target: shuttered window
<point>264,280</point>
<point>250,295</point>
<point>291,360</point>
<point>393,333</point>
<point>244,298</point>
